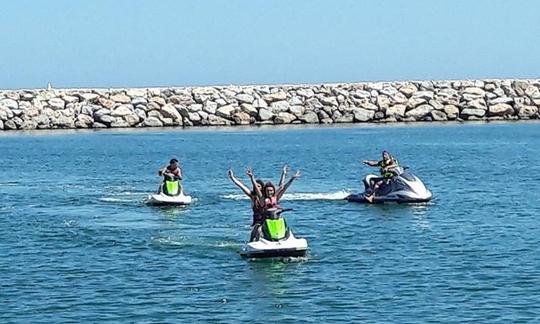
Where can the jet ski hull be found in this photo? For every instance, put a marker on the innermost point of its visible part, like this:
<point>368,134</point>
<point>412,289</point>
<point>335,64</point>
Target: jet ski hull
<point>290,247</point>
<point>404,188</point>
<point>164,200</point>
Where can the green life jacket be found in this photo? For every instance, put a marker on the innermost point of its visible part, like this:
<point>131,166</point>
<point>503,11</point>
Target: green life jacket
<point>172,188</point>
<point>276,228</point>
<point>384,163</point>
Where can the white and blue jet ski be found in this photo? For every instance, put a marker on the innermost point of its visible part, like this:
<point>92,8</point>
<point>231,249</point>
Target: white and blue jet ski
<point>171,195</point>
<point>277,239</point>
<point>404,187</point>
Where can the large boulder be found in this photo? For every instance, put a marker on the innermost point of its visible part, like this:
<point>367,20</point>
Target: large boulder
<point>57,103</point>
<point>310,118</point>
<point>241,118</point>
<point>438,115</point>
<point>284,118</point>
<point>83,121</point>
<point>419,112</point>
<point>396,111</point>
<point>467,113</point>
<point>501,109</point>
<point>225,111</point>
<point>9,103</point>
<point>451,111</point>
<point>245,98</point>
<point>279,106</point>
<point>277,96</point>
<point>214,120</point>
<point>123,110</point>
<point>152,122</point>
<point>120,98</point>
<point>528,111</point>
<point>169,111</point>
<point>363,115</point>
<point>265,114</point>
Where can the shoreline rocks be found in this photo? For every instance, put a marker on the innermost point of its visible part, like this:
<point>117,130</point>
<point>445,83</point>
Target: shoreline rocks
<point>369,102</point>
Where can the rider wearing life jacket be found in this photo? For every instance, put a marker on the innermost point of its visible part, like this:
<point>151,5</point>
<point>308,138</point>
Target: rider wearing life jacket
<point>271,199</point>
<point>172,169</point>
<point>386,167</point>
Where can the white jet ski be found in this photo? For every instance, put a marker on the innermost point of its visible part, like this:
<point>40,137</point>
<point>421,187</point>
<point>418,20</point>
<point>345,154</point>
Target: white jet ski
<point>404,187</point>
<point>277,240</point>
<point>171,195</point>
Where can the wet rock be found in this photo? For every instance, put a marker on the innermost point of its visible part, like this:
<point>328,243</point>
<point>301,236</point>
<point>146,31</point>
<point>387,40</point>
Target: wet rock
<point>419,112</point>
<point>363,115</point>
<point>310,118</point>
<point>152,122</point>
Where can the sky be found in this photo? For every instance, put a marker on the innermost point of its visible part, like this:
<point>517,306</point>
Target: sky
<point>144,43</point>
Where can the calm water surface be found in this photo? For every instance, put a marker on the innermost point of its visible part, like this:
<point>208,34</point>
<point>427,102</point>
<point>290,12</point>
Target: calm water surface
<point>78,245</point>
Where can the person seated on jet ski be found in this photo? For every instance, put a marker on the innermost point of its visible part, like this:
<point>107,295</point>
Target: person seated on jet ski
<point>387,166</point>
<point>257,201</point>
<point>172,171</point>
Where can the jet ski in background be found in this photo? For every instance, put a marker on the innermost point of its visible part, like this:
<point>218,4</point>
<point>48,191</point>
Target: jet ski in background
<point>277,239</point>
<point>172,193</point>
<point>404,187</point>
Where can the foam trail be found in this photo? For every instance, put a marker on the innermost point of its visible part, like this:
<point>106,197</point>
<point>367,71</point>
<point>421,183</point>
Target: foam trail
<point>338,195</point>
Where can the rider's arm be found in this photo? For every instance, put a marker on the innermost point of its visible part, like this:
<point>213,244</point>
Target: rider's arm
<point>372,163</point>
<point>179,173</point>
<point>239,184</point>
<point>283,175</point>
<point>281,190</point>
<point>162,170</point>
<point>258,191</point>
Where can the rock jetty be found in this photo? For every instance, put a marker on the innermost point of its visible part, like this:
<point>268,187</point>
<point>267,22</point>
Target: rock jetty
<point>370,102</point>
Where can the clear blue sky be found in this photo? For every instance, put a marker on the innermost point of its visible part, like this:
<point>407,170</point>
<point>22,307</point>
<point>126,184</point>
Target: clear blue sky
<point>123,43</point>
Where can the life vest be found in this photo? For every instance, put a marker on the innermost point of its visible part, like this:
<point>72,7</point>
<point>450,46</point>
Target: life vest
<point>271,202</point>
<point>384,163</point>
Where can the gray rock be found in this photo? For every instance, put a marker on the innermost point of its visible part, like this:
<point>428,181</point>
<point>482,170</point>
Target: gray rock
<point>241,118</point>
<point>260,103</point>
<point>279,106</point>
<point>120,123</point>
<point>121,98</point>
<point>396,110</point>
<point>500,110</point>
<point>284,118</point>
<point>451,111</point>
<point>414,102</point>
<point>169,111</point>
<point>5,113</point>
<point>210,107</point>
<point>63,122</point>
<point>194,117</point>
<point>89,97</point>
<point>474,91</point>
<point>98,125</point>
<point>363,115</point>
<point>265,115</point>
<point>158,100</point>
<point>245,98</point>
<point>132,119</point>
<point>419,112</point>
<point>155,113</point>
<point>328,101</point>
<point>225,111</point>
<point>426,95</point>
<point>106,103</point>
<point>249,109</point>
<point>297,110</point>
<point>139,101</point>
<point>313,104</point>
<point>123,110</point>
<point>203,114</point>
<point>141,113</point>
<point>528,111</point>
<point>9,103</point>
<point>408,89</point>
<point>476,104</point>
<point>277,96</point>
<point>327,121</point>
<point>361,94</point>
<point>310,118</point>
<point>306,93</point>
<point>196,107</point>
<point>218,121</point>
<point>102,113</point>
<point>152,122</point>
<point>346,118</point>
<point>501,100</point>
<point>467,113</point>
<point>438,115</point>
<point>84,121</point>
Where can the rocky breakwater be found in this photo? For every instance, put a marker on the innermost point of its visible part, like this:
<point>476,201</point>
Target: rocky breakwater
<point>407,101</point>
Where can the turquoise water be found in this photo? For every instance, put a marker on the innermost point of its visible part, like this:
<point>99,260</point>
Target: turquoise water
<point>78,245</point>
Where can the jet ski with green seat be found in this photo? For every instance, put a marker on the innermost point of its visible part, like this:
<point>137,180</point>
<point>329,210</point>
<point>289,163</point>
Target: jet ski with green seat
<point>277,239</point>
<point>172,193</point>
